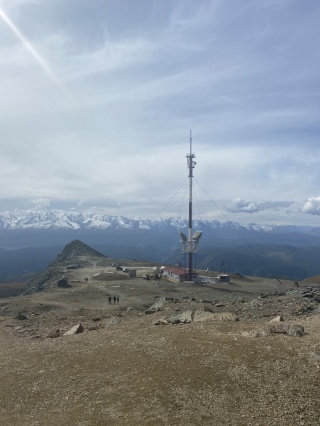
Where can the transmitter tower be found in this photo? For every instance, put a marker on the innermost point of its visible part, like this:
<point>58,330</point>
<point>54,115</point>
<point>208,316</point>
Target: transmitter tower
<point>190,242</point>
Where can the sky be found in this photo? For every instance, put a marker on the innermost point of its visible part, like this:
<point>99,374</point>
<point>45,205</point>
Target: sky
<point>98,97</point>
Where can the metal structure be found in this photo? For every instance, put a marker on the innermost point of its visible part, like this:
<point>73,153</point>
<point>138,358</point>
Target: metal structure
<point>190,243</point>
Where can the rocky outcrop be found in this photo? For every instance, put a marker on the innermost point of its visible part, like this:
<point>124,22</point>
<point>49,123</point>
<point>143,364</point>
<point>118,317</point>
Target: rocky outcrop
<point>197,316</point>
<point>214,316</point>
<point>186,316</point>
<point>158,305</point>
<point>295,330</point>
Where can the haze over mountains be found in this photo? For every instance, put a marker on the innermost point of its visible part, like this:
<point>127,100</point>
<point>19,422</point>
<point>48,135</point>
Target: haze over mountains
<point>32,239</point>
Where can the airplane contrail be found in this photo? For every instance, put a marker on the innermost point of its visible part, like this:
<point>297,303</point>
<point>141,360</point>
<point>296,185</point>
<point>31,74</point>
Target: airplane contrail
<point>33,52</point>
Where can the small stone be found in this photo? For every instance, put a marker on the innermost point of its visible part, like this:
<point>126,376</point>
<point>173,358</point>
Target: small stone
<point>295,330</point>
<point>317,349</point>
<point>20,317</point>
<point>54,334</point>
<point>279,318</point>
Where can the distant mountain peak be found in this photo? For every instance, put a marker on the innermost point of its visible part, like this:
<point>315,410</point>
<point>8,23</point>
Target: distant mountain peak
<point>76,249</point>
<point>76,252</point>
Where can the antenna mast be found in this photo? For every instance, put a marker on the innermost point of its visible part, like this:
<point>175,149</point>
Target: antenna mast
<point>190,243</point>
<point>191,164</point>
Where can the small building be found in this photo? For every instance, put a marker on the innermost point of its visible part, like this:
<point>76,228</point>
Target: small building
<point>174,274</point>
<point>223,278</point>
<point>73,266</point>
<point>63,282</point>
<point>132,273</point>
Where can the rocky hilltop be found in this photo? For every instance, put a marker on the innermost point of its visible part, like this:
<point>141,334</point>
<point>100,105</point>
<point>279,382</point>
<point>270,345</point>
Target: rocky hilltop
<point>78,252</point>
<point>75,254</point>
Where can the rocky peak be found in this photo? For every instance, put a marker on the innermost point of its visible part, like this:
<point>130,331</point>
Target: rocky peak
<point>76,249</point>
<point>75,253</point>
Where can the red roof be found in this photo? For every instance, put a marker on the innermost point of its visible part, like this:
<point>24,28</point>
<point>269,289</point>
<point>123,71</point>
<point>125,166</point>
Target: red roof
<point>176,270</point>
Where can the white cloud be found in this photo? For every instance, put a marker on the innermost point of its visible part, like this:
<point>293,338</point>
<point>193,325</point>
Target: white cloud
<point>241,205</point>
<point>312,206</point>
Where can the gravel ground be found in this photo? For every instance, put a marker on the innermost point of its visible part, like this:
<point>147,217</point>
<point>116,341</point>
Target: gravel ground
<point>124,370</point>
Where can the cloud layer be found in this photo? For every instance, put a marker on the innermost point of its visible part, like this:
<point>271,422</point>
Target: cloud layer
<point>240,205</point>
<point>96,106</point>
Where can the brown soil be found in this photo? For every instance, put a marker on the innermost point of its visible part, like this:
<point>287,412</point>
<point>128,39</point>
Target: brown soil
<point>124,370</point>
<point>10,289</point>
<point>313,280</point>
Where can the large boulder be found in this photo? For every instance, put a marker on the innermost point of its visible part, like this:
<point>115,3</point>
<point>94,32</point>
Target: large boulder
<point>277,319</point>
<point>290,329</point>
<point>76,329</point>
<point>186,316</point>
<point>296,330</point>
<point>256,333</point>
<point>158,305</point>
<point>183,318</point>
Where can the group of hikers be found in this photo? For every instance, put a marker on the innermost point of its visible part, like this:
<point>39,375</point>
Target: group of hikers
<point>114,298</point>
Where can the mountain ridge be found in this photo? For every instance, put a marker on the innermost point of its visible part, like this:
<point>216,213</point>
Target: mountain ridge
<point>61,219</point>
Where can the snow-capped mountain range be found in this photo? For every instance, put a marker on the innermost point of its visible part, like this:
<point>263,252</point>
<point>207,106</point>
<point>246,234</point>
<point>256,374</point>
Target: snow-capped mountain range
<point>30,240</point>
<point>30,228</point>
<point>69,220</point>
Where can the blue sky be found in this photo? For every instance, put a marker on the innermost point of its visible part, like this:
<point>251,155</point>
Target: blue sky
<point>98,97</point>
